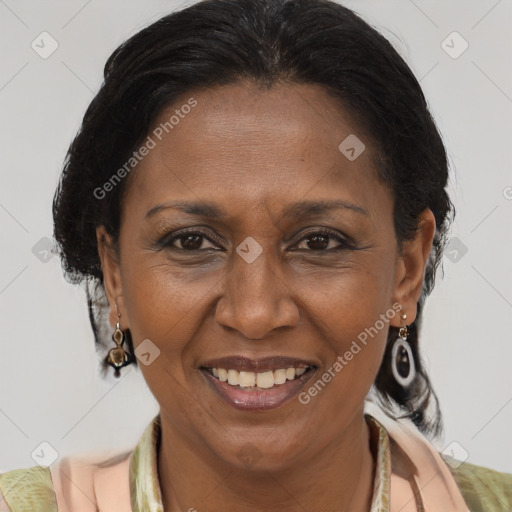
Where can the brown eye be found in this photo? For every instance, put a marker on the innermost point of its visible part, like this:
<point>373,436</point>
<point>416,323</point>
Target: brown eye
<point>189,241</point>
<point>319,241</point>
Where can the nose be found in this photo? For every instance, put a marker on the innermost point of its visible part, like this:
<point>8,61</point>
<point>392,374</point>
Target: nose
<point>256,297</point>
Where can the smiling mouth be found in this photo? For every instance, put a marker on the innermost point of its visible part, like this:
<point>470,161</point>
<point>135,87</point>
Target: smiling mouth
<point>253,381</point>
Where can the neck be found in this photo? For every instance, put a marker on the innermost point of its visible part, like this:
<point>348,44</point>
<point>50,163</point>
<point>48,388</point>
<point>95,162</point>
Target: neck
<point>191,479</point>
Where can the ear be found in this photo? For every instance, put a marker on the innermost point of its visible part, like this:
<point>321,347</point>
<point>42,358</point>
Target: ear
<point>111,276</point>
<point>410,268</point>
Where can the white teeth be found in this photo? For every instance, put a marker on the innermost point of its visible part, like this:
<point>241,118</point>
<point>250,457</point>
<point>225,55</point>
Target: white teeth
<point>263,380</point>
<point>246,379</point>
<point>279,376</point>
<point>233,377</point>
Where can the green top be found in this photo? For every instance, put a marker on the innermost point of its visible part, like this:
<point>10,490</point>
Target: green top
<point>483,489</point>
<point>31,489</point>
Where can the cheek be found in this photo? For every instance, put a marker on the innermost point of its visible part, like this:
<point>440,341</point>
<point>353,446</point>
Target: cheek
<point>348,300</point>
<point>356,335</point>
<point>352,313</point>
<point>163,304</point>
<point>164,310</point>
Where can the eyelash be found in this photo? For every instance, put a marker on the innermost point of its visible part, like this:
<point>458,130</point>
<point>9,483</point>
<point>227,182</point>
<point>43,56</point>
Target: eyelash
<point>169,239</point>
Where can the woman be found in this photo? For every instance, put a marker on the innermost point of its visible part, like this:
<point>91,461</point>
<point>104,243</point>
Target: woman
<point>258,190</point>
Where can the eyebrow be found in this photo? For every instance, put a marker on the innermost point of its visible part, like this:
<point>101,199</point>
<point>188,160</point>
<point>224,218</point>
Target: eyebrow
<point>306,208</point>
<point>296,210</point>
<point>203,209</point>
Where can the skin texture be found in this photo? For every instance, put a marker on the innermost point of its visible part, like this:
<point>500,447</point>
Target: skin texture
<point>253,152</point>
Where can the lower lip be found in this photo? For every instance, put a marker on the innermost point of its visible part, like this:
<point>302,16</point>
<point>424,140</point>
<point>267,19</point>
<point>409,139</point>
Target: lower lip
<point>258,400</point>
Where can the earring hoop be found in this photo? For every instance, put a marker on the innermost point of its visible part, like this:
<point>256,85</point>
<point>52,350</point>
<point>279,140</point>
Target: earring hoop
<point>402,358</point>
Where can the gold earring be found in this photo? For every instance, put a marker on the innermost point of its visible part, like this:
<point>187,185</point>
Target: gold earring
<point>118,357</point>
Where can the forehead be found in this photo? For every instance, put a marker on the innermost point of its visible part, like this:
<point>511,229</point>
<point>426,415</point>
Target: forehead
<point>241,143</point>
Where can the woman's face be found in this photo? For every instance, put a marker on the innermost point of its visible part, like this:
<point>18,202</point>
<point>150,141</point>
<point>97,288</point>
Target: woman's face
<point>267,272</point>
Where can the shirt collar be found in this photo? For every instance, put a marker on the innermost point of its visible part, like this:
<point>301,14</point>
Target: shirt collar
<point>145,493</point>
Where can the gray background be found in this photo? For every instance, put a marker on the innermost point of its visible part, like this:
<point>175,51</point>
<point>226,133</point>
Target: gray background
<point>50,389</point>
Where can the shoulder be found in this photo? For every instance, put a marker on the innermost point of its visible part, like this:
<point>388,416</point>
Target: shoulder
<point>44,489</point>
<point>484,489</point>
<point>27,489</point>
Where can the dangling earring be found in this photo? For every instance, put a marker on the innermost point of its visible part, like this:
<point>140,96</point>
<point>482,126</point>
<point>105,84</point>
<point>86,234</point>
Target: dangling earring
<point>402,359</point>
<point>117,357</point>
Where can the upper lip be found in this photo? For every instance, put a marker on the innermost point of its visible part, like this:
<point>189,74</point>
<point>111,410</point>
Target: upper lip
<point>242,363</point>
